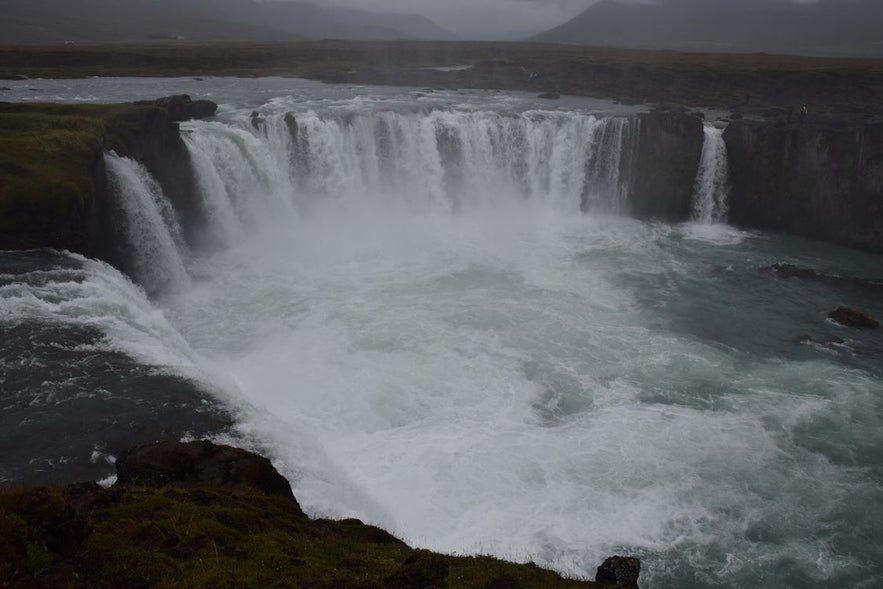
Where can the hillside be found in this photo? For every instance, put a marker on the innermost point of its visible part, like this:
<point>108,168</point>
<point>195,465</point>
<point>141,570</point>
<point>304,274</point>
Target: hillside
<point>830,27</point>
<point>55,21</point>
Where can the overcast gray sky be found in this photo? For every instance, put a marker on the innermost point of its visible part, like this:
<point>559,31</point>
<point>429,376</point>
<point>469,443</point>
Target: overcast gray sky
<point>469,17</point>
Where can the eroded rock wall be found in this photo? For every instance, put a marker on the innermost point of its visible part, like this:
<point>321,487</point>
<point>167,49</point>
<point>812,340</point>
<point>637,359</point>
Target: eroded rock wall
<point>820,180</point>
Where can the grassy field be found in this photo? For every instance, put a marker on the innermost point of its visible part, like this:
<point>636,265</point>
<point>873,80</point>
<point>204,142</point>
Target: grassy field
<point>749,82</point>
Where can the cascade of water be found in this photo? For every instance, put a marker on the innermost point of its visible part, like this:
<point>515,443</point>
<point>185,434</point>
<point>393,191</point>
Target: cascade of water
<point>608,167</point>
<point>439,160</point>
<point>151,227</point>
<point>710,189</point>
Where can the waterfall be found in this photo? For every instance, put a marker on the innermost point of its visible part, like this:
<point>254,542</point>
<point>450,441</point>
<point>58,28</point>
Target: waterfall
<point>153,235</point>
<point>439,159</point>
<point>710,190</point>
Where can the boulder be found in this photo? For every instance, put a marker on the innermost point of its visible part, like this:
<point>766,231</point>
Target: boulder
<point>162,463</point>
<point>182,108</point>
<point>619,571</point>
<point>850,317</point>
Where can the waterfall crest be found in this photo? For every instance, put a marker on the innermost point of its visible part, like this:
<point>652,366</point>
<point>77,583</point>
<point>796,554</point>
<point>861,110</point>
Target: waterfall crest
<point>710,191</point>
<point>444,160</point>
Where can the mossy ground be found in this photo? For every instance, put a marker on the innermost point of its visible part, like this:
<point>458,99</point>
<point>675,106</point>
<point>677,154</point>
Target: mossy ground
<point>48,153</point>
<point>195,536</point>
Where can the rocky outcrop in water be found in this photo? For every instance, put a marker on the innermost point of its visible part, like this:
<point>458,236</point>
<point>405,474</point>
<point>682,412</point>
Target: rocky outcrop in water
<point>849,317</point>
<point>619,571</point>
<point>156,143</point>
<point>822,180</point>
<point>666,163</point>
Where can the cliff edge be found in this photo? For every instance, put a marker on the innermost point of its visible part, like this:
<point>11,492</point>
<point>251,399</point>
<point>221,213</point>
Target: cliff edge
<point>52,167</point>
<point>198,514</point>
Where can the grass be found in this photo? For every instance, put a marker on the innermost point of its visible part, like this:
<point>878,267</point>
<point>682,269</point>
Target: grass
<point>200,537</point>
<point>48,154</point>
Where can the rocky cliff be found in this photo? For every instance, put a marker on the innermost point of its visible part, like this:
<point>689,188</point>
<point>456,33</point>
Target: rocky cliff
<point>665,165</point>
<point>53,191</point>
<point>822,180</point>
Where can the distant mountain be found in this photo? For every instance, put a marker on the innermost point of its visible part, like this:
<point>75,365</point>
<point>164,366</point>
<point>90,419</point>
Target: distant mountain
<point>829,27</point>
<point>412,25</point>
<point>46,21</point>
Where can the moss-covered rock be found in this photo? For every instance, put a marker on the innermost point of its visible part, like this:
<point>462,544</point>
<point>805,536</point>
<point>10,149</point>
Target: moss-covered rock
<point>51,167</point>
<point>189,533</point>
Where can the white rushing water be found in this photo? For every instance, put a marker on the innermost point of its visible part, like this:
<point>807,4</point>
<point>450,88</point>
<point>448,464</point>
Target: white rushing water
<point>443,160</point>
<point>409,310</point>
<point>150,225</point>
<point>711,190</point>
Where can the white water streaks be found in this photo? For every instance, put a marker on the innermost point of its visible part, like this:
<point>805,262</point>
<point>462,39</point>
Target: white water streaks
<point>151,226</point>
<point>710,191</point>
<point>516,381</point>
<point>446,160</point>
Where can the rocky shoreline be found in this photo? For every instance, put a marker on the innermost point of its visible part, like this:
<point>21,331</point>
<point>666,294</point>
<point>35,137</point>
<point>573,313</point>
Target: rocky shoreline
<point>197,514</point>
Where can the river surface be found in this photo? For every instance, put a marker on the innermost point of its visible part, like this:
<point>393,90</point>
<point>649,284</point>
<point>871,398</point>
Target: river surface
<point>429,310</point>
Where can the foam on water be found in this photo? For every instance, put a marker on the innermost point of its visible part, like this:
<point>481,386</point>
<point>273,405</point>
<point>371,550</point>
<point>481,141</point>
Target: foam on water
<point>483,382</point>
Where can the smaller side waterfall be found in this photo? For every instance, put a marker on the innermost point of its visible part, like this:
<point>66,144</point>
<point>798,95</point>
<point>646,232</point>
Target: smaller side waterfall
<point>150,225</point>
<point>710,190</point>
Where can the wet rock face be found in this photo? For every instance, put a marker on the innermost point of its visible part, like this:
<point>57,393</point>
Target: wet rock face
<point>822,180</point>
<point>666,164</point>
<point>203,462</point>
<point>619,571</point>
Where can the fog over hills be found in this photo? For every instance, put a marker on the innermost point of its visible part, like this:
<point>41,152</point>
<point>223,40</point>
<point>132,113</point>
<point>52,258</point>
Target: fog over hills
<point>42,21</point>
<point>823,27</point>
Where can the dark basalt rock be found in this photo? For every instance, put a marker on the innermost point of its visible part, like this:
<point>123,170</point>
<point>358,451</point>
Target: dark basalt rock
<point>257,121</point>
<point>667,160</point>
<point>159,464</point>
<point>619,571</point>
<point>821,179</point>
<point>792,271</point>
<point>850,317</point>
<point>549,95</point>
<point>182,108</point>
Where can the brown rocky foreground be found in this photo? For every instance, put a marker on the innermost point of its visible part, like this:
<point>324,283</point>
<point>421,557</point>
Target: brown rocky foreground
<point>198,514</point>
